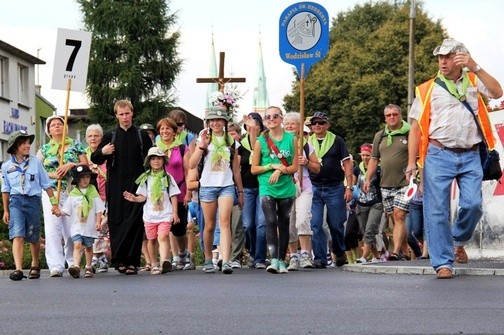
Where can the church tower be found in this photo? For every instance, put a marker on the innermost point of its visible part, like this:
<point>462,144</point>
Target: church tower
<point>260,99</point>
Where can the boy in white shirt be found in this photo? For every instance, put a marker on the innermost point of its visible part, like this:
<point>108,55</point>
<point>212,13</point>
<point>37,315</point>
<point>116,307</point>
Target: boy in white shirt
<point>159,191</point>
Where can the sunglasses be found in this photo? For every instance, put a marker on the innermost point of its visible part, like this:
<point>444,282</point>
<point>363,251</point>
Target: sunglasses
<point>272,116</point>
<point>318,123</point>
<point>392,114</point>
<point>180,124</point>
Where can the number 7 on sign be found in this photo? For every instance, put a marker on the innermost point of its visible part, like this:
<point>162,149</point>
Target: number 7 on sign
<point>71,60</point>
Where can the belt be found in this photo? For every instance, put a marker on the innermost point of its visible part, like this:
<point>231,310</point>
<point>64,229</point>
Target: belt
<point>438,144</point>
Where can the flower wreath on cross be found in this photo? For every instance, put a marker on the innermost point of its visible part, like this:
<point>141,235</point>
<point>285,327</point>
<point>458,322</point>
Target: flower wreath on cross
<point>227,99</point>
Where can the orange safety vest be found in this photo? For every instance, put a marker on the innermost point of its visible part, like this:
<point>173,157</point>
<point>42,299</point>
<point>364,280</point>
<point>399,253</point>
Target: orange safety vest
<point>423,93</point>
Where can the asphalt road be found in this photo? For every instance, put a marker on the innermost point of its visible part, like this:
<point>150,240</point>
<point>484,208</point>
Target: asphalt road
<point>323,301</point>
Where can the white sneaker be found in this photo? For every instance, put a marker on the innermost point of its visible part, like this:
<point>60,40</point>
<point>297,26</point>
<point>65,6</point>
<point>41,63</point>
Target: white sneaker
<point>235,265</point>
<point>293,264</point>
<point>305,261</point>
<point>361,260</point>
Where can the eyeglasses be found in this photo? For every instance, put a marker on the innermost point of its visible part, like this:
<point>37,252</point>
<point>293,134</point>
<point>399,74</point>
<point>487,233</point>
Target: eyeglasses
<point>318,123</point>
<point>180,124</point>
<point>392,114</point>
<point>272,116</point>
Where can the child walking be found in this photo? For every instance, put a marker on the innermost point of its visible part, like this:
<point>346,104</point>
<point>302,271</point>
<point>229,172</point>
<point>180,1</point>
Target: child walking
<point>24,178</point>
<point>159,191</point>
<point>84,207</point>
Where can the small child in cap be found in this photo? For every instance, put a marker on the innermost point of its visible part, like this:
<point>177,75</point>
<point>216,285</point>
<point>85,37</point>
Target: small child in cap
<point>159,191</point>
<point>85,208</point>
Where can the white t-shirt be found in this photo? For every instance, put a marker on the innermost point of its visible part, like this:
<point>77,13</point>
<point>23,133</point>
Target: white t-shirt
<point>216,173</point>
<point>163,210</point>
<point>78,226</point>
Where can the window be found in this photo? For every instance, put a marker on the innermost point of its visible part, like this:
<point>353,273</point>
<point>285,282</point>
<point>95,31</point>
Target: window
<point>23,84</point>
<point>3,76</point>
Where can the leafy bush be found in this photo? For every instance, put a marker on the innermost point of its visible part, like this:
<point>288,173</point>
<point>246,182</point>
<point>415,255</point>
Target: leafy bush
<point>7,260</point>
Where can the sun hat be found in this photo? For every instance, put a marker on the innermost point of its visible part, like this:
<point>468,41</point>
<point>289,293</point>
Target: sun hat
<point>155,151</point>
<point>81,170</point>
<point>308,121</point>
<point>217,113</point>
<point>258,118</point>
<point>449,46</point>
<point>14,136</point>
<point>49,120</point>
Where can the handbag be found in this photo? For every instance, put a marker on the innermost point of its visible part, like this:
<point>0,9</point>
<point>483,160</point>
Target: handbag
<point>490,159</point>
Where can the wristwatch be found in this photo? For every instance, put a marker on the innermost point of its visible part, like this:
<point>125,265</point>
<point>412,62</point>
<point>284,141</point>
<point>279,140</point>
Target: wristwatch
<point>349,187</point>
<point>477,68</point>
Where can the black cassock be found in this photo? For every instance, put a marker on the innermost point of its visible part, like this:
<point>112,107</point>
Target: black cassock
<point>123,168</point>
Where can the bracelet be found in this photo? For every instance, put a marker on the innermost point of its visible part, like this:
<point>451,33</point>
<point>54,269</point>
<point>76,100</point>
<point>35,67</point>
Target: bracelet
<point>53,200</point>
<point>348,187</point>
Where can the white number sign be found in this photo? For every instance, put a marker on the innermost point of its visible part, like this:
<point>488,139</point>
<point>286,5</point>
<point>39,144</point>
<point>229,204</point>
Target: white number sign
<point>71,59</point>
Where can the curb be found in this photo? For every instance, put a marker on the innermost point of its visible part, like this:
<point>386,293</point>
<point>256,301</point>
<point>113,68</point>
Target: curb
<point>419,270</point>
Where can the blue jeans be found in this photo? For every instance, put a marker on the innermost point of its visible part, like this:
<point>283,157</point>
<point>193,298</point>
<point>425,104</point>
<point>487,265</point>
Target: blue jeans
<point>333,198</point>
<point>254,224</point>
<point>441,168</point>
<point>415,225</point>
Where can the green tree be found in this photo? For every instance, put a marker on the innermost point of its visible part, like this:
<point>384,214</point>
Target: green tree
<point>366,68</point>
<point>133,56</point>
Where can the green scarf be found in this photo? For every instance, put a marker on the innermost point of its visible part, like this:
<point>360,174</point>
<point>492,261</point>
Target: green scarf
<point>452,87</point>
<point>167,148</point>
<point>87,200</point>
<point>220,151</point>
<point>181,136</point>
<point>55,146</point>
<point>322,149</point>
<point>159,182</point>
<point>401,131</point>
<point>100,171</point>
<point>362,168</point>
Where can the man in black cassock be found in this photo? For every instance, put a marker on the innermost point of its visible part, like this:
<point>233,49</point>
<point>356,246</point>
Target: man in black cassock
<point>124,149</point>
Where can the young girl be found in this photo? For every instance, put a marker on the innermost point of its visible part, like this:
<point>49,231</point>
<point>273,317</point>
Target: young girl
<point>84,207</point>
<point>24,178</point>
<point>221,170</point>
<point>159,191</point>
<point>275,161</point>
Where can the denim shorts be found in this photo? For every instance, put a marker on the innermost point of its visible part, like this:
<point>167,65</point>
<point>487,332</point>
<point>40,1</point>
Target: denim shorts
<point>25,217</point>
<point>211,194</point>
<point>85,240</point>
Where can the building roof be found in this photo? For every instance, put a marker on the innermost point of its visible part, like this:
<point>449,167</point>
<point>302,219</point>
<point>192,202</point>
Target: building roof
<point>20,53</point>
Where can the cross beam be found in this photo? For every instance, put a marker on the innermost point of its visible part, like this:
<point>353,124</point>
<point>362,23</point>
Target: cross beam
<point>221,80</point>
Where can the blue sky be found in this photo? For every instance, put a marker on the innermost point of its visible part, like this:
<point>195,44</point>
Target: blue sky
<point>31,25</point>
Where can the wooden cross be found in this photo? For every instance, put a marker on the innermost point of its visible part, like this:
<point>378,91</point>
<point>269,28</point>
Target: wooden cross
<point>221,80</point>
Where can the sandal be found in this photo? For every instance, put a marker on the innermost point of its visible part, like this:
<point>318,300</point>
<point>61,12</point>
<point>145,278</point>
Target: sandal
<point>155,270</point>
<point>17,275</point>
<point>131,270</point>
<point>121,268</point>
<point>146,268</point>
<point>88,273</point>
<point>394,257</point>
<point>34,272</point>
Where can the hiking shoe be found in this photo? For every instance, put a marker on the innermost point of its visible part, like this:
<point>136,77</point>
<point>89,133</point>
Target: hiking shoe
<point>189,265</point>
<point>261,266</point>
<point>250,263</point>
<point>226,268</point>
<point>182,262</point>
<point>56,273</point>
<point>74,271</point>
<point>208,266</point>
<point>235,265</point>
<point>273,267</point>
<point>293,264</point>
<point>103,262</point>
<point>282,268</point>
<point>305,261</point>
<point>319,265</point>
<point>95,263</point>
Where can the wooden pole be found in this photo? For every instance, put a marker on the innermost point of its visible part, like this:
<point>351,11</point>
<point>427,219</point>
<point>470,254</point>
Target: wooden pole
<point>62,145</point>
<point>301,123</point>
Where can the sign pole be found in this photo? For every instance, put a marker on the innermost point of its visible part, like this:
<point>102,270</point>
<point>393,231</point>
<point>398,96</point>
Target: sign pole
<point>62,145</point>
<point>301,123</point>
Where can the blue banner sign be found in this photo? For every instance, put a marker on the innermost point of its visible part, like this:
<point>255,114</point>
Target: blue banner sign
<point>304,35</point>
